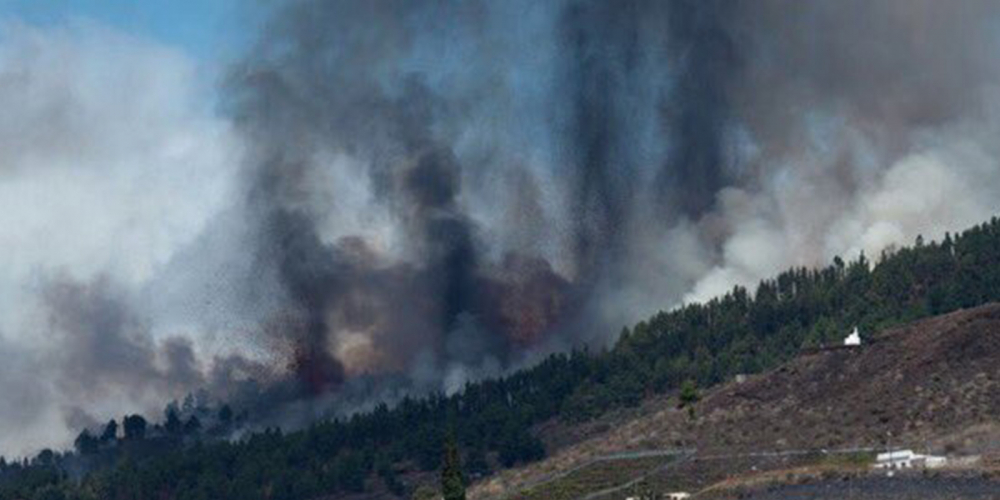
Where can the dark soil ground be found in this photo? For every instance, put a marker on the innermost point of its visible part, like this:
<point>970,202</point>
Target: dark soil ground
<point>913,385</point>
<point>885,488</point>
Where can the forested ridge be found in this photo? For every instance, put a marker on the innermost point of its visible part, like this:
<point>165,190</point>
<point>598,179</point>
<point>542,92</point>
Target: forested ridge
<point>191,454</point>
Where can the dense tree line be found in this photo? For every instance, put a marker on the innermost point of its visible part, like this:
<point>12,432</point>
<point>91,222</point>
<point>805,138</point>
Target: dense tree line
<point>491,422</point>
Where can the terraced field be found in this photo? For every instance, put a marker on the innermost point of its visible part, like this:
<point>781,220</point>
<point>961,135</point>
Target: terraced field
<point>599,476</point>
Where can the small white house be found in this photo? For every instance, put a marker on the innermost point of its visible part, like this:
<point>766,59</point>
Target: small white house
<point>854,339</point>
<point>677,495</point>
<point>899,459</point>
<point>907,459</point>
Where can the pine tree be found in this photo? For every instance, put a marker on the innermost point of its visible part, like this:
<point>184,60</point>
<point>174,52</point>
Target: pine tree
<point>452,481</point>
<point>689,393</point>
<point>173,424</point>
<point>86,443</point>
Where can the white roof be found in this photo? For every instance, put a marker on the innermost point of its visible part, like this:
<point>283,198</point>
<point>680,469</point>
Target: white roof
<point>854,338</point>
<point>896,455</point>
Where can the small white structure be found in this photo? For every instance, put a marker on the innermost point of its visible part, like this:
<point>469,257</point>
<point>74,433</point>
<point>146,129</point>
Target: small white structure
<point>900,459</point>
<point>678,495</point>
<point>907,459</point>
<point>854,339</point>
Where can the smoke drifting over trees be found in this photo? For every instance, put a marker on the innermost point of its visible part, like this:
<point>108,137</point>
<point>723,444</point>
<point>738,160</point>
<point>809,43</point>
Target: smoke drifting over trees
<point>433,191</point>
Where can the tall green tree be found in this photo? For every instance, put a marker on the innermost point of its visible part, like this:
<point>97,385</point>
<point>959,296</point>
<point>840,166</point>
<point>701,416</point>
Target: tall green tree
<point>110,431</point>
<point>135,427</point>
<point>173,424</point>
<point>452,480</point>
<point>689,393</point>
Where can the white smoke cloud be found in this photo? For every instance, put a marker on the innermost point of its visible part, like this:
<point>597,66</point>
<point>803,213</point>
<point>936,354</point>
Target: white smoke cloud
<point>855,136</point>
<point>949,181</point>
<point>111,161</point>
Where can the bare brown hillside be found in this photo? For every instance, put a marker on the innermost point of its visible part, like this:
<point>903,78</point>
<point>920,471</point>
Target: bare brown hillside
<point>931,384</point>
<point>916,383</point>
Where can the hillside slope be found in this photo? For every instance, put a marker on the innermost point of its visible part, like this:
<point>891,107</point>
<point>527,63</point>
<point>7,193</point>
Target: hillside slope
<point>918,382</point>
<point>931,384</point>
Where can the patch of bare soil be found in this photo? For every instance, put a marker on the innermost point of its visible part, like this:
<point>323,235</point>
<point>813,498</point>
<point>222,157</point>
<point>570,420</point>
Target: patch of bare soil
<point>912,385</point>
<point>885,488</point>
<point>932,385</point>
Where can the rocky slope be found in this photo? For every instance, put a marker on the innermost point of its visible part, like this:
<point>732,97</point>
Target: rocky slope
<point>933,384</point>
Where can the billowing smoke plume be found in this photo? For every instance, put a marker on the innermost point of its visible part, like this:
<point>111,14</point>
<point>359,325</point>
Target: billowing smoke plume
<point>409,153</point>
<point>858,126</point>
<point>434,191</point>
<point>108,166</point>
<point>417,224</point>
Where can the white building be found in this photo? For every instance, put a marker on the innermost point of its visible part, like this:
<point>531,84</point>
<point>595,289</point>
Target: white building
<point>677,495</point>
<point>907,459</point>
<point>854,339</point>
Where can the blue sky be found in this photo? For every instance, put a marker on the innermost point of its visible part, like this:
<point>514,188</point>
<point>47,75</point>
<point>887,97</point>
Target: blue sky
<point>209,30</point>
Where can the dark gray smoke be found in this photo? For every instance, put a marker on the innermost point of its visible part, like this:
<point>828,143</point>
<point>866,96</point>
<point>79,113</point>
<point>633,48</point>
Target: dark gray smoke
<point>635,90</point>
<point>644,87</point>
<point>108,355</point>
<point>446,189</point>
<point>332,86</point>
<point>108,349</point>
